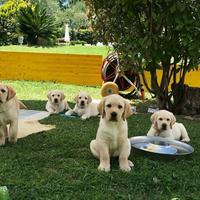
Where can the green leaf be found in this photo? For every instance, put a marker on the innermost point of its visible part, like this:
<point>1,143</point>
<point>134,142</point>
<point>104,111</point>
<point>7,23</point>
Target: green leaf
<point>181,6</point>
<point>173,8</point>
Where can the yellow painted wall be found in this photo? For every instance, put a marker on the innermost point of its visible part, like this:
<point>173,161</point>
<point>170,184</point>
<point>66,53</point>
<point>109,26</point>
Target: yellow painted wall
<point>64,68</point>
<point>192,78</point>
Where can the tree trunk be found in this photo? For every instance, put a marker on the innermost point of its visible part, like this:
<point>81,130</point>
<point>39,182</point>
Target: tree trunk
<point>164,102</point>
<point>173,101</point>
<point>178,97</point>
<point>161,102</point>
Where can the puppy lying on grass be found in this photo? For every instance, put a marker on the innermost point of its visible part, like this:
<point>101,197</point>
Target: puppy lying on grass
<point>164,125</point>
<point>112,135</point>
<point>56,102</point>
<point>84,107</point>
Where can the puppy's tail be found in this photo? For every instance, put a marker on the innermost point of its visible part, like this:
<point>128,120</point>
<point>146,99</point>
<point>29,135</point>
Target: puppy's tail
<point>21,105</point>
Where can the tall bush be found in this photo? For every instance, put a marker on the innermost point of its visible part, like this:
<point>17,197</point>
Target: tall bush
<point>37,25</point>
<point>86,36</point>
<point>8,20</point>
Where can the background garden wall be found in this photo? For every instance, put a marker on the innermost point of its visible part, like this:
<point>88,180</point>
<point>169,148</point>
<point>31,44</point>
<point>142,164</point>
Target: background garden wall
<point>63,68</point>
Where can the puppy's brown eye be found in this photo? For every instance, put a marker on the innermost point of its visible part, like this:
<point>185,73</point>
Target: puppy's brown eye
<point>79,97</point>
<point>168,119</point>
<point>109,105</point>
<point>119,106</point>
<point>58,95</point>
<point>160,119</point>
<point>85,98</point>
<point>53,95</point>
<point>3,91</point>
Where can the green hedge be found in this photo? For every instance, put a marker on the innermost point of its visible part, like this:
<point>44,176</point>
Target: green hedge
<point>74,42</point>
<point>83,35</point>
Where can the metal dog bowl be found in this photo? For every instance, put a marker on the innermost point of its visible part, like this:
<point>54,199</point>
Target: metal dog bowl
<point>161,145</point>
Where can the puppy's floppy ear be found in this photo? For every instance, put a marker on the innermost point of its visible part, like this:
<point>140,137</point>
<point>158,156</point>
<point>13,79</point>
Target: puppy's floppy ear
<point>127,110</point>
<point>62,96</point>
<point>101,108</point>
<point>173,120</point>
<point>76,98</point>
<point>89,99</point>
<point>154,120</point>
<point>49,95</point>
<point>11,93</point>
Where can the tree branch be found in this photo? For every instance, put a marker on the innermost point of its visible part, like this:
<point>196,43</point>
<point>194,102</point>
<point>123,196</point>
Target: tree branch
<point>184,71</point>
<point>171,72</point>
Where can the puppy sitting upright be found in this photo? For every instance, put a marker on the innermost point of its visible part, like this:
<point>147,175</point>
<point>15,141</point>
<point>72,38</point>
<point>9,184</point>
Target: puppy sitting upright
<point>56,102</point>
<point>164,125</point>
<point>112,135</point>
<point>9,111</point>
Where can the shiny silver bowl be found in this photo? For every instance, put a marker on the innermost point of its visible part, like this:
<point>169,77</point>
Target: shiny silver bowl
<point>161,145</point>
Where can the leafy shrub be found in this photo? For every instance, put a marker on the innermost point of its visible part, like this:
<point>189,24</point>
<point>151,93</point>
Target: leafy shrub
<point>74,42</point>
<point>8,21</point>
<point>83,35</point>
<point>37,25</point>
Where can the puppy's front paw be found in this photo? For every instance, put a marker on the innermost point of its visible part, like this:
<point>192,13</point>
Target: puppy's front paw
<point>12,140</point>
<point>84,117</point>
<point>125,168</point>
<point>2,142</point>
<point>104,168</point>
<point>52,112</point>
<point>131,164</point>
<point>69,112</point>
<point>185,140</point>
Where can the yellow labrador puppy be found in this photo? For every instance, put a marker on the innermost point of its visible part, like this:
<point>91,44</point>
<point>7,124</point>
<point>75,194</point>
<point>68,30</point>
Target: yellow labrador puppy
<point>9,111</point>
<point>84,107</point>
<point>164,125</point>
<point>112,135</point>
<point>56,102</point>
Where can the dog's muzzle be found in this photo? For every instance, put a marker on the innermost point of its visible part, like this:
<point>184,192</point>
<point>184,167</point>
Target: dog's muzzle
<point>113,116</point>
<point>55,100</point>
<point>164,126</point>
<point>82,103</point>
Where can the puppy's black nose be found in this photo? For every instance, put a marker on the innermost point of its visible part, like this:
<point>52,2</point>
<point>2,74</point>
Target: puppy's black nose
<point>164,126</point>
<point>82,103</point>
<point>56,100</point>
<point>113,114</point>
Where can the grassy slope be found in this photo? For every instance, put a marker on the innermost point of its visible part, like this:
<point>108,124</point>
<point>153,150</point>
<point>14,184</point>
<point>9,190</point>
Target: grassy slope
<point>58,164</point>
<point>78,49</point>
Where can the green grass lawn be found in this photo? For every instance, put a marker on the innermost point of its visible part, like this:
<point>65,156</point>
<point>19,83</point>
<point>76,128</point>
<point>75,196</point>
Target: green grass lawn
<point>78,49</point>
<point>32,90</point>
<point>58,165</point>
